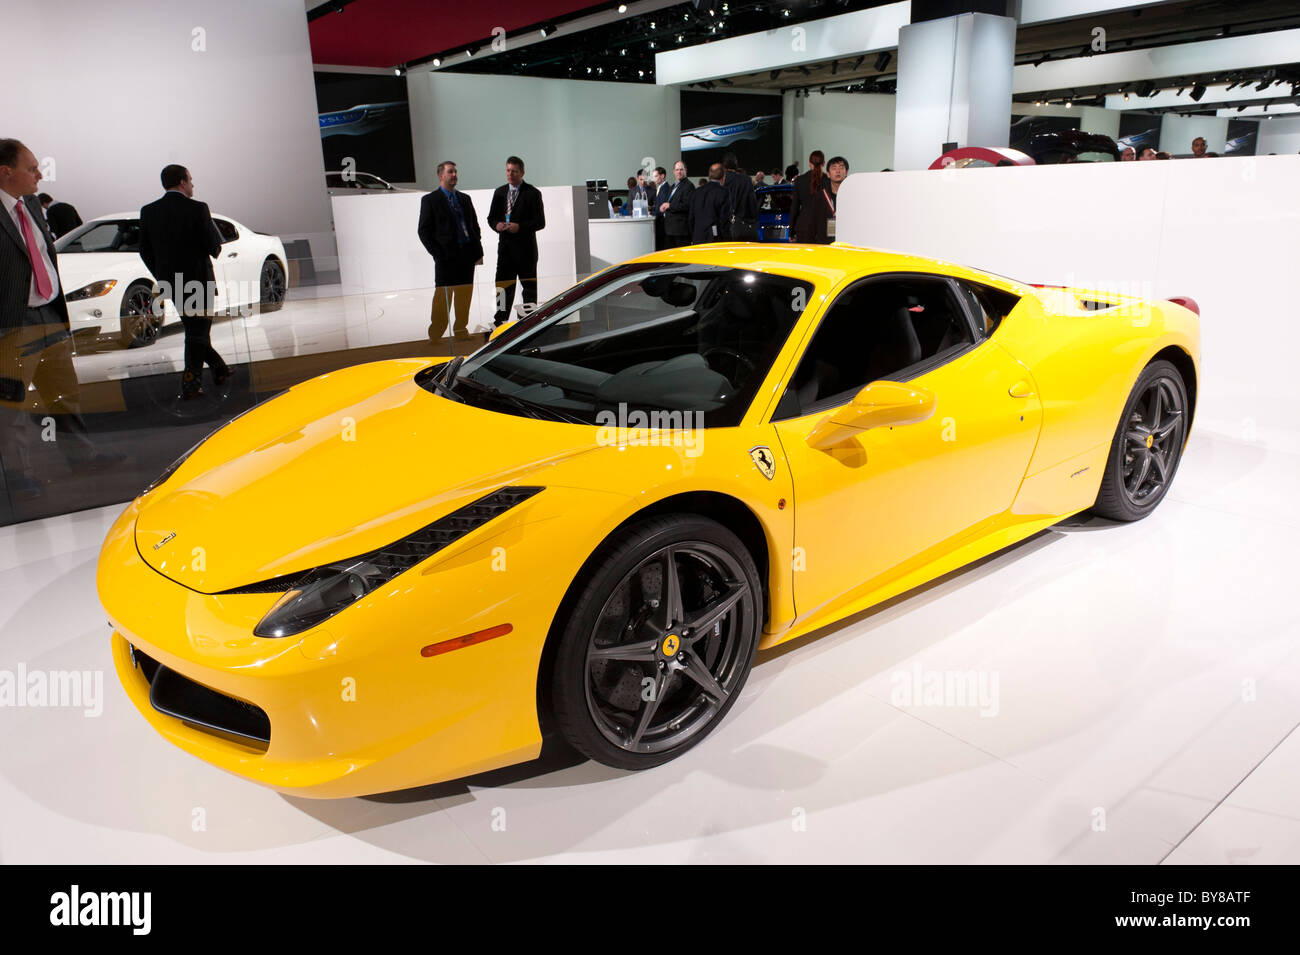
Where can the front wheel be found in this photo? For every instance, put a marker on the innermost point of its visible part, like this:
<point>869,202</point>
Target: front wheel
<point>659,642</point>
<point>272,286</point>
<point>1147,447</point>
<point>140,323</point>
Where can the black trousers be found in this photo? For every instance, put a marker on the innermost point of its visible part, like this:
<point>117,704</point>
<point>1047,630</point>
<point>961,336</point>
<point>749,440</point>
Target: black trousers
<point>661,238</point>
<point>199,352</point>
<point>454,293</point>
<point>512,264</point>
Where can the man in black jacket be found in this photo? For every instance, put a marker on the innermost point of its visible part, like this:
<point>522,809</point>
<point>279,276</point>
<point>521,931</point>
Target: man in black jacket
<point>661,194</point>
<point>62,216</point>
<point>517,215</point>
<point>677,208</point>
<point>743,226</point>
<point>710,209</point>
<point>450,232</point>
<point>36,372</point>
<point>178,241</point>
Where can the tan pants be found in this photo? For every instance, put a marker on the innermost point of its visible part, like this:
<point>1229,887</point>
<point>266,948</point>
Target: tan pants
<point>445,298</point>
<point>37,379</point>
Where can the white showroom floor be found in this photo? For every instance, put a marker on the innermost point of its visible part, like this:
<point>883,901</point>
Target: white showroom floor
<point>1146,705</point>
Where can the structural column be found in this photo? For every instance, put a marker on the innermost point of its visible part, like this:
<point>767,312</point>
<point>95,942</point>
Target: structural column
<point>954,86</point>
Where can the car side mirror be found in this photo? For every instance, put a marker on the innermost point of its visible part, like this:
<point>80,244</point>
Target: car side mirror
<point>882,404</point>
<point>502,327</point>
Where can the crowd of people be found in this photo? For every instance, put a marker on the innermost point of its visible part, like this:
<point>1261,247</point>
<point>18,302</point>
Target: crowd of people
<point>1143,153</point>
<point>723,205</point>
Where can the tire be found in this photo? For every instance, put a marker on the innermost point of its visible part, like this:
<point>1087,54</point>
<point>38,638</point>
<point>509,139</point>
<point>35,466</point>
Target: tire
<point>273,286</point>
<point>140,326</point>
<point>640,702</point>
<point>1147,446</point>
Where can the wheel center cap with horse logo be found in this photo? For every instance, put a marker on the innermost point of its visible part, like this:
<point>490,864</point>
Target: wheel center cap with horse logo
<point>671,645</point>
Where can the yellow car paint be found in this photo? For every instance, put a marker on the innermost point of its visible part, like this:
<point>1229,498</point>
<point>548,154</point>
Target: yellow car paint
<point>353,460</point>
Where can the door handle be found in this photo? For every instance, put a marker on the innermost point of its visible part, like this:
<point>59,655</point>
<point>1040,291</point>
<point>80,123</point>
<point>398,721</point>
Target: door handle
<point>1021,389</point>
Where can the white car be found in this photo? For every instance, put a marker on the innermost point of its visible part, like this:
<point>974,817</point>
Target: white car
<point>110,292</point>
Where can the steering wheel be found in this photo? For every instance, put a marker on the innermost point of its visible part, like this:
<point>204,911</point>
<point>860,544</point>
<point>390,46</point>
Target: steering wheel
<point>742,362</point>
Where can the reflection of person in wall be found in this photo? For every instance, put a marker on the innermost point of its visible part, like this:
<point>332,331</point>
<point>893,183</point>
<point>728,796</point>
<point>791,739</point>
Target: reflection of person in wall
<point>62,216</point>
<point>449,231</point>
<point>1198,147</point>
<point>1146,153</point>
<point>178,241</point>
<point>517,214</point>
<point>1128,155</point>
<point>37,378</point>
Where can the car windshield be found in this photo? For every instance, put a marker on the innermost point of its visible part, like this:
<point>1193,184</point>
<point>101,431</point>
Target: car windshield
<point>103,235</point>
<point>651,338</point>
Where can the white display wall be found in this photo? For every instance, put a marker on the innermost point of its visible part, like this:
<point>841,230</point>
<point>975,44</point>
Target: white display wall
<point>566,131</point>
<point>380,250</point>
<point>107,92</point>
<point>1220,230</point>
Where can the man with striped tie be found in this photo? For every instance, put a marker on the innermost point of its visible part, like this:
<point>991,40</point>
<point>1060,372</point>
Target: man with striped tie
<point>516,215</point>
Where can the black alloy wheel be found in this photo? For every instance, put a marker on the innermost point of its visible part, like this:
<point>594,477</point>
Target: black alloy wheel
<point>140,325</point>
<point>659,643</point>
<point>273,286</point>
<point>1148,445</point>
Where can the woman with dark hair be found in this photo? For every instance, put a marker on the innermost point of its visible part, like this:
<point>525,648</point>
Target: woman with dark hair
<point>810,206</point>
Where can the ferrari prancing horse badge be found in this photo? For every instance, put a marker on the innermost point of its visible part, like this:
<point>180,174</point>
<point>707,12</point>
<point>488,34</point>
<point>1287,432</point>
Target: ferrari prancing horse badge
<point>764,461</point>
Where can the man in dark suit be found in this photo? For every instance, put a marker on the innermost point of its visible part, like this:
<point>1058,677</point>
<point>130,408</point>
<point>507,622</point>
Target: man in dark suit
<point>517,214</point>
<point>450,232</point>
<point>710,209</point>
<point>743,226</point>
<point>178,241</point>
<point>677,208</point>
<point>62,216</point>
<point>662,190</point>
<point>37,377</point>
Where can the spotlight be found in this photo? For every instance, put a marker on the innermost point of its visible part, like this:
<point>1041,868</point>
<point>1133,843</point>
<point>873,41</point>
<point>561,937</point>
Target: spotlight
<point>882,61</point>
<point>1068,104</point>
<point>1146,88</point>
<point>622,8</point>
<point>858,62</point>
<point>774,74</point>
<point>1197,92</point>
<point>547,29</point>
<point>835,67</point>
<point>437,61</point>
<point>471,50</point>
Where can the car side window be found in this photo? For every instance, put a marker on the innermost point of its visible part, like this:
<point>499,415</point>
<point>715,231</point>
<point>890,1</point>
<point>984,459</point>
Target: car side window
<point>228,232</point>
<point>989,305</point>
<point>893,328</point>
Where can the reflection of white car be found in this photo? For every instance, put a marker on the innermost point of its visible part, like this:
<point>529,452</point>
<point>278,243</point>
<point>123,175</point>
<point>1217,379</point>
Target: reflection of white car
<point>109,291</point>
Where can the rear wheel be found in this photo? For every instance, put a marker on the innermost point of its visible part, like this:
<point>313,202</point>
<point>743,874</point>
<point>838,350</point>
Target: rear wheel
<point>659,643</point>
<point>140,326</point>
<point>1147,447</point>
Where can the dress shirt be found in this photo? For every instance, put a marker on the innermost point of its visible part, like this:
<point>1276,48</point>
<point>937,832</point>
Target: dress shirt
<point>11,207</point>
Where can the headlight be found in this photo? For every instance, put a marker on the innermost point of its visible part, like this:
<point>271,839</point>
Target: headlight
<point>315,595</point>
<point>93,290</point>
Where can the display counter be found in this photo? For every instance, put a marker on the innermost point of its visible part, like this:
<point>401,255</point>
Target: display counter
<point>619,239</point>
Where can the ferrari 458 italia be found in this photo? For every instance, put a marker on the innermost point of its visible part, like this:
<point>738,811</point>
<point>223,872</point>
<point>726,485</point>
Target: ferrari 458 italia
<point>398,573</point>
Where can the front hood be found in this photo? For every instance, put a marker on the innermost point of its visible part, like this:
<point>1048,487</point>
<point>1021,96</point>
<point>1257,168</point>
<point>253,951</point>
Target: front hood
<point>338,466</point>
<point>81,268</point>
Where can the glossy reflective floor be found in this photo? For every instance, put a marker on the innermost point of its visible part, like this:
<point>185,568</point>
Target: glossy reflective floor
<point>1141,695</point>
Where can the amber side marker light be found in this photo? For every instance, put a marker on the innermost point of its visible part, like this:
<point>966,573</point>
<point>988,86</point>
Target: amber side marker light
<point>456,643</point>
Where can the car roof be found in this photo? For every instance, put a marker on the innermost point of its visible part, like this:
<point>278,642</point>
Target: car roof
<point>831,263</point>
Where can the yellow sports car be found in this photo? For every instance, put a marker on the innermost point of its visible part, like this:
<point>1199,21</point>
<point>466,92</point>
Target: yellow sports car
<point>397,573</point>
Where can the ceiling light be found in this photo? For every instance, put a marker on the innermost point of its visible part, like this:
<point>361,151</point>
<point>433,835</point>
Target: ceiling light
<point>622,8</point>
<point>437,61</point>
<point>1198,91</point>
<point>882,61</point>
